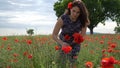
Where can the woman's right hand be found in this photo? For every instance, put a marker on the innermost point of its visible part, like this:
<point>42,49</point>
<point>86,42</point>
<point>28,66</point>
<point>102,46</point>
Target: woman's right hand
<point>65,44</point>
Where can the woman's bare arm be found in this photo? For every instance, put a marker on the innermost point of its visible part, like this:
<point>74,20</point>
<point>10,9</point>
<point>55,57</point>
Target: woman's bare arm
<point>56,30</point>
<point>84,29</point>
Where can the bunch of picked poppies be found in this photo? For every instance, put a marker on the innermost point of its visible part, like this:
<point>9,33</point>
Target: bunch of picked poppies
<point>66,48</point>
<point>78,38</point>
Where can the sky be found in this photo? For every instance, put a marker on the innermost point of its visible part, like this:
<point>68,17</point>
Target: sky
<point>17,16</point>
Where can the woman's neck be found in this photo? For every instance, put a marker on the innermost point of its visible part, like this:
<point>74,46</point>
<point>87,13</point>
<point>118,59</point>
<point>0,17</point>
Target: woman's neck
<point>72,19</point>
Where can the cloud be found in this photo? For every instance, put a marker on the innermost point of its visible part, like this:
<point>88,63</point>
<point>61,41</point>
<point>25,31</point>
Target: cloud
<point>18,15</point>
<point>31,12</point>
<point>107,28</point>
<point>26,5</point>
<point>37,14</point>
<point>10,26</point>
<point>5,5</point>
<point>30,18</point>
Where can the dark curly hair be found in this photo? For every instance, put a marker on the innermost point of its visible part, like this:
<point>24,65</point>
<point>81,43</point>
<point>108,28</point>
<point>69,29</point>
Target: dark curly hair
<point>83,12</point>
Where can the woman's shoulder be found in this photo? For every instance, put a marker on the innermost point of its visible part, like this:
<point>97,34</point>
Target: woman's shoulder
<point>64,19</point>
<point>64,16</point>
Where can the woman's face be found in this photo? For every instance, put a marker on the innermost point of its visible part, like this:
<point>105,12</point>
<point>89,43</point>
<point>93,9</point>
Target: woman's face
<point>75,12</point>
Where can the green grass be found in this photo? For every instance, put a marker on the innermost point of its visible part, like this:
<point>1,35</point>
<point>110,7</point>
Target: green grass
<point>45,56</point>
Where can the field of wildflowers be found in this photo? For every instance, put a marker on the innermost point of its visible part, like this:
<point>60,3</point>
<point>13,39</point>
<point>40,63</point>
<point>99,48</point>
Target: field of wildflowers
<point>97,51</point>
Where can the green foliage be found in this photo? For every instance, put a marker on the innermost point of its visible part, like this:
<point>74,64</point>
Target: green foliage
<point>30,31</point>
<point>99,11</point>
<point>60,7</point>
<point>112,9</point>
<point>96,13</point>
<point>45,56</point>
<point>117,29</point>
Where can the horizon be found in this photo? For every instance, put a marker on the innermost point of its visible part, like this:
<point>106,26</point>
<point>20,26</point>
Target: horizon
<point>17,16</point>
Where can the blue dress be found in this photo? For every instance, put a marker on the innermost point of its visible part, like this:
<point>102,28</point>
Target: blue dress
<point>69,28</point>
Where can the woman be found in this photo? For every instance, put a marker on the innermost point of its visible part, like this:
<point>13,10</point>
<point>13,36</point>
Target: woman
<point>75,20</point>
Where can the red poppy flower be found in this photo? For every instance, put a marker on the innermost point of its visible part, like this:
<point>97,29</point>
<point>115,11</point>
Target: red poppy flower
<point>16,40</point>
<point>70,5</point>
<point>103,50</point>
<point>89,64</point>
<point>113,45</point>
<point>110,50</point>
<point>25,53</point>
<point>29,42</point>
<point>56,47</point>
<point>78,38</point>
<point>112,60</point>
<point>109,42</point>
<point>4,38</point>
<point>101,42</point>
<point>105,63</point>
<point>118,37</point>
<point>30,56</point>
<point>67,37</point>
<point>15,54</point>
<point>103,37</point>
<point>108,62</point>
<point>96,38</point>
<point>9,48</point>
<point>66,49</point>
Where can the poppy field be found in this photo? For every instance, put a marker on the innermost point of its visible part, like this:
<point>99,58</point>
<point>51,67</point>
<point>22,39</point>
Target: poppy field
<point>97,51</point>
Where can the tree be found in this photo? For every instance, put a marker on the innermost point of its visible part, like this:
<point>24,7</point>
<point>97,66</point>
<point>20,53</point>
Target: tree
<point>96,13</point>
<point>117,30</point>
<point>30,31</point>
<point>112,10</point>
<point>60,6</point>
<point>99,11</point>
<point>94,7</point>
